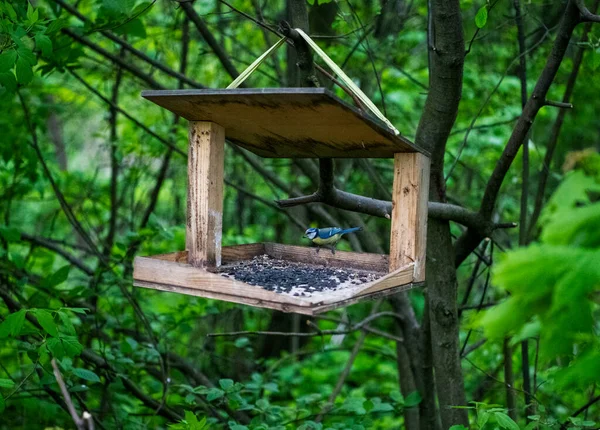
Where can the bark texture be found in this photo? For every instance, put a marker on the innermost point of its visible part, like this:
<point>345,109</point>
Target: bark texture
<point>441,107</point>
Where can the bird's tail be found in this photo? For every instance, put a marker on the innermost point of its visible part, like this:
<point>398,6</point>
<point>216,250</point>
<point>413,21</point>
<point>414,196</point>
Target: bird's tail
<point>351,230</point>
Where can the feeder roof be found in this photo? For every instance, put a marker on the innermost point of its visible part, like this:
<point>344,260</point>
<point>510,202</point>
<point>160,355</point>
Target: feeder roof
<point>287,122</point>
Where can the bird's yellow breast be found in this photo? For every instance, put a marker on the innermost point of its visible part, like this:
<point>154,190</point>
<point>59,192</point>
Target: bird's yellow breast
<point>329,241</point>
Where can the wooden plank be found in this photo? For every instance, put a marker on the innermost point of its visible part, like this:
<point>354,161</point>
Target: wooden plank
<point>242,252</point>
<point>402,276</point>
<point>318,309</point>
<point>287,122</point>
<point>309,255</point>
<point>228,253</point>
<point>163,272</point>
<point>258,303</point>
<point>399,277</point>
<point>205,193</point>
<point>409,213</point>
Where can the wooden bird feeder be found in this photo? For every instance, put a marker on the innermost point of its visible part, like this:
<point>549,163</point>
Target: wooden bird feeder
<point>286,123</point>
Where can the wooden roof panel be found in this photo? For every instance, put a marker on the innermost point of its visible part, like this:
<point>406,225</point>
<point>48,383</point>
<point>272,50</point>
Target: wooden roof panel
<point>287,122</point>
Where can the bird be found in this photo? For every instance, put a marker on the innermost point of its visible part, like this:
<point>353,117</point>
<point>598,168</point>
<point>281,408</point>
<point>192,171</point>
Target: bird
<point>328,237</point>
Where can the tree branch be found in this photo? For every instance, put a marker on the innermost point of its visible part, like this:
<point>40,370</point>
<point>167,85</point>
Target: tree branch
<point>470,239</point>
<point>562,105</point>
<point>177,75</point>
<point>586,15</point>
<point>328,194</point>
<point>191,13</point>
<point>135,71</point>
<point>555,133</point>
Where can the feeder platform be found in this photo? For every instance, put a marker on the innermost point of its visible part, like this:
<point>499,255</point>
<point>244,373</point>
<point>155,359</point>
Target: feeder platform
<point>290,123</point>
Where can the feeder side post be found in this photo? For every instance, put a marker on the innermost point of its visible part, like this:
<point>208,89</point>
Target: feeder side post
<point>205,193</point>
<point>408,236</point>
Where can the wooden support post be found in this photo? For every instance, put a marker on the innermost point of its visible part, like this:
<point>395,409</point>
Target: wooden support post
<point>205,193</point>
<point>408,236</point>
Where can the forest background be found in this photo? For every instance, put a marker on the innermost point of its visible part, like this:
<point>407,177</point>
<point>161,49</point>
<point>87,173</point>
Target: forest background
<point>503,94</point>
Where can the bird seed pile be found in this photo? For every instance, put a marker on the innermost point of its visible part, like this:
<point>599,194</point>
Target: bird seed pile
<point>296,279</point>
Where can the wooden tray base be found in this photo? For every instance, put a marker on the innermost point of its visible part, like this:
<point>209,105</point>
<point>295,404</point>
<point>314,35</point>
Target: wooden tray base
<point>170,272</point>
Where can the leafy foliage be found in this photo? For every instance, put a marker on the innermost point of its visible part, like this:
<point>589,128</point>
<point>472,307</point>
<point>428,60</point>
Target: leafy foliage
<point>85,187</point>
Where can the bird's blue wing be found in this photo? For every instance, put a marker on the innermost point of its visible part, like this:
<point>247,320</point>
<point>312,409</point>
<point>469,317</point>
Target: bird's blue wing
<point>326,233</point>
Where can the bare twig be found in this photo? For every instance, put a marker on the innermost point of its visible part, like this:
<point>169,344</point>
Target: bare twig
<point>561,105</point>
<point>348,367</point>
<point>80,422</point>
<point>188,8</point>
<point>580,410</point>
<point>135,71</point>
<point>355,327</point>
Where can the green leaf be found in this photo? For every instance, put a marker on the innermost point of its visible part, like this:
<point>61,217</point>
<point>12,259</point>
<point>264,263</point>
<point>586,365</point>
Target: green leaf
<point>11,234</point>
<point>505,422</point>
<point>262,404</point>
<point>13,324</point>
<point>214,394</point>
<point>481,17</point>
<point>27,55</point>
<point>10,10</point>
<point>7,62</point>
<point>46,321</point>
<point>64,346</point>
<point>241,342</point>
<point>82,311</point>
<point>133,28</point>
<point>58,277</point>
<point>6,383</point>
<point>88,375</point>
<point>66,322</point>
<point>458,427</point>
<point>379,406</point>
<point>43,43</point>
<point>594,60</point>
<point>413,399</point>
<point>226,384</point>
<point>2,404</point>
<point>24,71</point>
<point>482,418</point>
<point>397,397</point>
<point>8,82</point>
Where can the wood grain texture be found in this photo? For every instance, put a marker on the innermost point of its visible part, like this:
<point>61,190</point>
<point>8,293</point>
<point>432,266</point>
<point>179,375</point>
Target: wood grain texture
<point>402,276</point>
<point>318,309</point>
<point>184,275</point>
<point>309,255</point>
<point>287,122</point>
<point>205,193</point>
<point>168,272</point>
<point>409,213</point>
<point>229,254</point>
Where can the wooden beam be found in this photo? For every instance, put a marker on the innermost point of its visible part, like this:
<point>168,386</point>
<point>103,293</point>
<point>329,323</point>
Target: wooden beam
<point>409,213</point>
<point>205,193</point>
<point>344,259</point>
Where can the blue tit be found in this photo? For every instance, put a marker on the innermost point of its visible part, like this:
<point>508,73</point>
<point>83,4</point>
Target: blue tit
<point>328,237</point>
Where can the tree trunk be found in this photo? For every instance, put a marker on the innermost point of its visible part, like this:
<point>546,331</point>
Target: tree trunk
<point>446,42</point>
